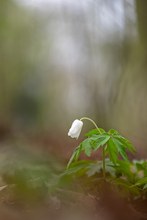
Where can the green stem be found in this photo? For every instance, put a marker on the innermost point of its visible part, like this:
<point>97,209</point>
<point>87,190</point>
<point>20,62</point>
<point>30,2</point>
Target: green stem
<point>103,153</point>
<point>104,165</point>
<point>89,119</point>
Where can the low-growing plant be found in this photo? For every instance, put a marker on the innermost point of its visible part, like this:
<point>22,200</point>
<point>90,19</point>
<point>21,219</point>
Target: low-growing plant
<point>115,166</point>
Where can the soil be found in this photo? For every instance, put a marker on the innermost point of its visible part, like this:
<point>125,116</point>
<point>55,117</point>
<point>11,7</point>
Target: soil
<point>67,204</point>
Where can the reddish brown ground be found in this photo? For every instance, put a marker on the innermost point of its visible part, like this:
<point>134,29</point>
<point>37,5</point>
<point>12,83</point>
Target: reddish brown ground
<point>66,204</point>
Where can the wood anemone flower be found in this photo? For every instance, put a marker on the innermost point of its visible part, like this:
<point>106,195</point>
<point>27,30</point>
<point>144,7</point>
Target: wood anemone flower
<point>75,130</point>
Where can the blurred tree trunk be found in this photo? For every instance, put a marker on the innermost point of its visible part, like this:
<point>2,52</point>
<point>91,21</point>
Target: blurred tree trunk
<point>141,11</point>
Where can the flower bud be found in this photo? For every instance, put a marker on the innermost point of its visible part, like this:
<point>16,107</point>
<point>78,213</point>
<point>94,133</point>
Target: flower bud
<point>75,129</point>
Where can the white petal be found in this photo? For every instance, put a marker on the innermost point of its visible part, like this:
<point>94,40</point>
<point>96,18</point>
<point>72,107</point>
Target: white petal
<point>75,129</point>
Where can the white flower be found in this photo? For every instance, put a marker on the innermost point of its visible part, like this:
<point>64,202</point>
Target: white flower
<point>75,129</point>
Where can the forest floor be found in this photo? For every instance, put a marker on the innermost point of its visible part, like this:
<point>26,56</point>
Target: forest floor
<point>64,203</point>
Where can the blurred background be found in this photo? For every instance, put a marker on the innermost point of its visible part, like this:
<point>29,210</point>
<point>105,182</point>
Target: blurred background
<point>64,59</point>
<point>61,60</point>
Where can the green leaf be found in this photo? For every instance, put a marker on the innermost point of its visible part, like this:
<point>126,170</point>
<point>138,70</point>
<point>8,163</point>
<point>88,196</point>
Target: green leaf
<point>112,151</point>
<point>112,131</point>
<point>94,142</point>
<point>87,147</point>
<point>124,169</point>
<point>121,149</point>
<point>145,186</point>
<point>126,143</point>
<point>101,141</point>
<point>141,181</point>
<point>95,131</point>
<point>88,151</point>
<point>94,168</point>
<point>75,155</point>
<point>77,167</point>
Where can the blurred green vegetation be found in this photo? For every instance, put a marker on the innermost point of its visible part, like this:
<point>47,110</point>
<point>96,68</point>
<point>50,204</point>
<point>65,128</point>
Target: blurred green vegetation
<point>58,62</point>
<point>19,43</point>
<point>62,62</point>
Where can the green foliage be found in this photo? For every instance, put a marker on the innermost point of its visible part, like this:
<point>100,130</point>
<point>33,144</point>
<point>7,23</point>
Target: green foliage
<point>89,168</point>
<point>95,131</point>
<point>124,176</point>
<point>30,177</point>
<point>141,182</point>
<point>114,145</point>
<point>127,176</point>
